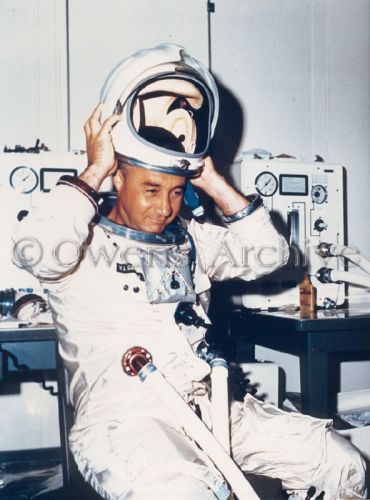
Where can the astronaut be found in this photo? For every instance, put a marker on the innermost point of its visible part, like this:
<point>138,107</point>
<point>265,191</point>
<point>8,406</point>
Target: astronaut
<point>115,281</point>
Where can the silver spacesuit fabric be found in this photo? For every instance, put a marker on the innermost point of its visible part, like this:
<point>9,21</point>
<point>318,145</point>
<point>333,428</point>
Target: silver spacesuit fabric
<point>126,443</point>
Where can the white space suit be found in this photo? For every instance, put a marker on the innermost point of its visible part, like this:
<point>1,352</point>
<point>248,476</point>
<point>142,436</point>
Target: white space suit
<point>126,443</point>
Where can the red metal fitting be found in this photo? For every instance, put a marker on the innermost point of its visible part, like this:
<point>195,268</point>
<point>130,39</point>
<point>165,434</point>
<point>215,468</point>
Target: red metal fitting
<point>134,359</point>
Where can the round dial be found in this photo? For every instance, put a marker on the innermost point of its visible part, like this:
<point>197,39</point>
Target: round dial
<point>23,179</point>
<point>319,194</point>
<point>266,184</point>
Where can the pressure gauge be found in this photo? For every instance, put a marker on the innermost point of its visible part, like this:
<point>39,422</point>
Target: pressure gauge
<point>266,183</point>
<point>23,179</point>
<point>319,194</point>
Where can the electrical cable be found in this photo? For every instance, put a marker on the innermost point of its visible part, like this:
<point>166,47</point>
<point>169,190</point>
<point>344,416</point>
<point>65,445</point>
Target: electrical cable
<point>327,275</point>
<point>351,253</point>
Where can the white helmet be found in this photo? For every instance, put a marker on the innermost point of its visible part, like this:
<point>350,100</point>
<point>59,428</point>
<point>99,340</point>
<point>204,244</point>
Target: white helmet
<point>169,102</point>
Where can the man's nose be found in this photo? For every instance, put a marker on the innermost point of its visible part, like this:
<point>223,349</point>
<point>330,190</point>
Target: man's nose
<point>164,206</point>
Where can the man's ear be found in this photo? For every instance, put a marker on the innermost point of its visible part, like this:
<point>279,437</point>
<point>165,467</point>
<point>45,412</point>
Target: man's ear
<point>118,179</point>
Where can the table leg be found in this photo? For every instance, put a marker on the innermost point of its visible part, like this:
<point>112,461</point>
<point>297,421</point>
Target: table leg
<point>64,424</point>
<point>314,378</point>
<point>1,365</point>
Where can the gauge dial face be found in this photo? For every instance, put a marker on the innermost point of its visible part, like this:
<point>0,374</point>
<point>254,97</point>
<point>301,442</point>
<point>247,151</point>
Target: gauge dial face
<point>23,179</point>
<point>266,183</point>
<point>319,194</point>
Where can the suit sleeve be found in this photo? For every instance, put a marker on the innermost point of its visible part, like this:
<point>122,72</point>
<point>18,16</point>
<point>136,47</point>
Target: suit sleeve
<point>247,249</point>
<point>49,241</point>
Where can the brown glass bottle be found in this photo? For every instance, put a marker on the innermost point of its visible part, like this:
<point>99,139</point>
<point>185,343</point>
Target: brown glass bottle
<point>307,298</point>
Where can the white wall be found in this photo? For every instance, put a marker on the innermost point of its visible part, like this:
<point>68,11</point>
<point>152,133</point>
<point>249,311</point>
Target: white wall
<point>129,26</point>
<point>33,52</point>
<point>33,82</point>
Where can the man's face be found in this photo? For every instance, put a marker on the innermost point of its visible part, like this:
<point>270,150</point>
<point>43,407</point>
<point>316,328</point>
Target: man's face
<point>146,200</point>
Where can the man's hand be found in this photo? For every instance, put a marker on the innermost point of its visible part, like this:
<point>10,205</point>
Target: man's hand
<point>216,186</point>
<point>208,177</point>
<point>100,150</point>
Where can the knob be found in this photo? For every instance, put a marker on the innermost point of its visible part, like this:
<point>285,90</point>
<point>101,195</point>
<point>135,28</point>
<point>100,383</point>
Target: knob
<point>324,275</point>
<point>324,250</point>
<point>320,225</point>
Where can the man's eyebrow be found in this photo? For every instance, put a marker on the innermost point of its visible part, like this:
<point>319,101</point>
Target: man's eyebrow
<point>152,184</point>
<point>157,185</point>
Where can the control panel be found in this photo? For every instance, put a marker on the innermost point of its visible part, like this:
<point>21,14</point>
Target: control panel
<point>306,202</point>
